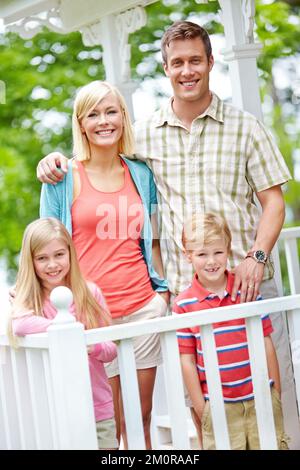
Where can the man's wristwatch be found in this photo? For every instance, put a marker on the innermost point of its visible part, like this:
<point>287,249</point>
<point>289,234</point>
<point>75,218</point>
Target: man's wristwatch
<point>259,256</point>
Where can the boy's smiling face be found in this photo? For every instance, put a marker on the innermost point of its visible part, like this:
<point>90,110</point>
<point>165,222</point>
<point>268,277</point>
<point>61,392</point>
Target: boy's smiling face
<point>210,263</point>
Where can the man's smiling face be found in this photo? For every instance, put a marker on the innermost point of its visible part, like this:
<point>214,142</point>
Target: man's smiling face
<point>188,68</point>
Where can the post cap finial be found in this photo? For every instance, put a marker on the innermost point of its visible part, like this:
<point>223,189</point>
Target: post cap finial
<point>62,297</point>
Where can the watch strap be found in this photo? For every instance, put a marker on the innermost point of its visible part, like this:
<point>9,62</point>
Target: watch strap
<point>252,254</point>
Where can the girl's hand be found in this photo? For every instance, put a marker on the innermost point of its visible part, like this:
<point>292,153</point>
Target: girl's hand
<point>12,294</point>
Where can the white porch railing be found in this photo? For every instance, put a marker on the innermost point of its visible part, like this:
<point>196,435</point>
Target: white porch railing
<point>46,400</point>
<point>45,392</point>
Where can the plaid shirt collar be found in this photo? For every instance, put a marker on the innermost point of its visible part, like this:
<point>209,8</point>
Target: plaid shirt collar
<point>167,115</point>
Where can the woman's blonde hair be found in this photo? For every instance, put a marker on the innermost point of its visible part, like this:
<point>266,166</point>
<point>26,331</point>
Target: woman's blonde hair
<point>86,99</point>
<point>204,229</point>
<point>29,291</point>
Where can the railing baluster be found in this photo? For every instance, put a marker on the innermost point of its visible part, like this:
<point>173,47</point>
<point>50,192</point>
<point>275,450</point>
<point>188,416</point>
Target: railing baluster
<point>174,390</point>
<point>9,399</point>
<point>294,326</point>
<point>23,399</point>
<point>38,393</point>
<point>50,397</point>
<point>292,259</point>
<point>261,387</point>
<point>131,396</point>
<point>214,388</point>
<point>5,442</point>
<point>293,317</point>
<point>3,422</point>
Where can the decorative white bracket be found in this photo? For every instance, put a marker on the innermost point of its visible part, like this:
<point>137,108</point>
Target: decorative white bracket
<point>248,8</point>
<point>29,26</point>
<point>92,34</point>
<point>248,16</point>
<point>127,23</point>
<point>123,25</point>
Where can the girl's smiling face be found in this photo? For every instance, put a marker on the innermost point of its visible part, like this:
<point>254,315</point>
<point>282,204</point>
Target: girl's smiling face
<point>52,264</point>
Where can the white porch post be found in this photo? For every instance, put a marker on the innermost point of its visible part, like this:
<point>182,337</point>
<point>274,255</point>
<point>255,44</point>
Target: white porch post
<point>74,412</point>
<point>241,53</point>
<point>112,33</point>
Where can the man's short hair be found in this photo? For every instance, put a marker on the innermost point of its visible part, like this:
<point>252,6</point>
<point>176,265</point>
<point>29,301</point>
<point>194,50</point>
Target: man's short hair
<point>181,30</point>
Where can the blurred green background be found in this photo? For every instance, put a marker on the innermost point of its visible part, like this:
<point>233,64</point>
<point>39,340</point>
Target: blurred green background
<point>41,76</point>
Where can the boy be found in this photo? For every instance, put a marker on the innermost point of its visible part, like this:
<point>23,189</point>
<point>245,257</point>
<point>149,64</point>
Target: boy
<point>207,244</point>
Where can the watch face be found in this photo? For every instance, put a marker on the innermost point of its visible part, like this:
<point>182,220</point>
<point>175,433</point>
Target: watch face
<point>260,255</point>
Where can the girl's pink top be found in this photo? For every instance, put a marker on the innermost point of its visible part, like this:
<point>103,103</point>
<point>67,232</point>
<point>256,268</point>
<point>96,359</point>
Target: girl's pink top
<point>28,323</point>
<point>106,230</point>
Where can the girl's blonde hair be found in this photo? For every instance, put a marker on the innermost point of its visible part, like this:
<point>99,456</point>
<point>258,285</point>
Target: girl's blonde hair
<point>86,99</point>
<point>204,229</point>
<point>29,291</point>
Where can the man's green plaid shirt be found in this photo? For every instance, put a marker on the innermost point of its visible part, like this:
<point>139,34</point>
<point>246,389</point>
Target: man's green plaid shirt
<point>217,166</point>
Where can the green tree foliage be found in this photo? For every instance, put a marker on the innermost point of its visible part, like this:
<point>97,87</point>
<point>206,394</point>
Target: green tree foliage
<point>41,76</point>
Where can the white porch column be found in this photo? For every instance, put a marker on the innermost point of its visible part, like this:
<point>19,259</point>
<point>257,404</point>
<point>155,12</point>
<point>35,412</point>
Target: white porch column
<point>112,33</point>
<point>241,53</point>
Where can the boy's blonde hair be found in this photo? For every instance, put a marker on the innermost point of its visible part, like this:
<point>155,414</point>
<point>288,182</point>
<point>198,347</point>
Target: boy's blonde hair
<point>86,99</point>
<point>29,292</point>
<point>203,229</point>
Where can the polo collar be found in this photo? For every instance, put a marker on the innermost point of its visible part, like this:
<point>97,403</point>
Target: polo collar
<point>204,294</point>
<point>166,115</point>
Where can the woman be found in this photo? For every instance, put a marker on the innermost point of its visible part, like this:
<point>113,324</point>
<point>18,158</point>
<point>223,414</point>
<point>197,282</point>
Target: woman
<point>107,203</point>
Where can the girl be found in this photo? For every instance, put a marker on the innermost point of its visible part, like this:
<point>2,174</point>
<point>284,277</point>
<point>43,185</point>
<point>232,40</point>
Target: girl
<point>48,260</point>
<point>108,204</point>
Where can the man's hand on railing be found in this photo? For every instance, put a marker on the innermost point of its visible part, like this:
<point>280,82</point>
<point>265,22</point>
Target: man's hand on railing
<point>248,277</point>
<point>52,168</point>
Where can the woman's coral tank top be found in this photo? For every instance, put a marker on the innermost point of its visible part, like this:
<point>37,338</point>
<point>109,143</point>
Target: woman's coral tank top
<point>106,232</point>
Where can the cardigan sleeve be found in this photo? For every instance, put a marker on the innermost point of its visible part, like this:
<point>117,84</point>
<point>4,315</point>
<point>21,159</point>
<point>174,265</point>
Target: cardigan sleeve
<point>153,195</point>
<point>49,202</point>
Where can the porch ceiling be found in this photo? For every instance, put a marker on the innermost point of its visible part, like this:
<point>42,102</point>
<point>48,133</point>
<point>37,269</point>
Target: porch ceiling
<point>73,14</point>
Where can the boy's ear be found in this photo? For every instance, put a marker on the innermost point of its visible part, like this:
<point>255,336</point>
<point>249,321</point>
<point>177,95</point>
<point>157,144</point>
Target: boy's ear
<point>188,256</point>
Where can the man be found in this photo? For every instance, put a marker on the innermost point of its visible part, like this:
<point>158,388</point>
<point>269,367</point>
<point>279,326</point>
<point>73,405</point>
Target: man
<point>207,155</point>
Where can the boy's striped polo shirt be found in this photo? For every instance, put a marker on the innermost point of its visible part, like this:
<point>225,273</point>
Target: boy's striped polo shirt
<point>230,338</point>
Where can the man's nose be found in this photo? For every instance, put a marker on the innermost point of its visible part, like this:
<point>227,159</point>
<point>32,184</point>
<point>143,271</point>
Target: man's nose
<point>187,69</point>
